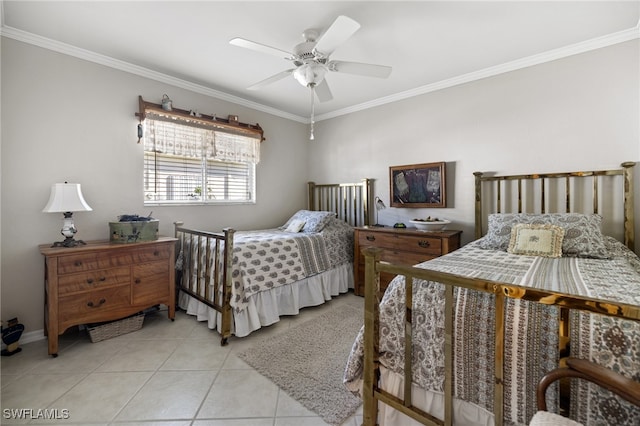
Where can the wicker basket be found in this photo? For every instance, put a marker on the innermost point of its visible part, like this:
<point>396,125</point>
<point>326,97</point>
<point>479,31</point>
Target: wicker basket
<point>107,330</point>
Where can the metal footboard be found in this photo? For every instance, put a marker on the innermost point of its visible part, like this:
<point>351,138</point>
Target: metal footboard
<point>372,393</point>
<point>205,259</point>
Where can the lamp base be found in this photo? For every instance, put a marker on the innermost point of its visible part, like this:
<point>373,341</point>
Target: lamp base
<point>68,231</point>
<point>69,242</point>
<point>378,225</point>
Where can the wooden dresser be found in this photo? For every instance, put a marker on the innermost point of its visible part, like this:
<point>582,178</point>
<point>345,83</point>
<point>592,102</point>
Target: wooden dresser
<point>101,281</point>
<point>407,246</point>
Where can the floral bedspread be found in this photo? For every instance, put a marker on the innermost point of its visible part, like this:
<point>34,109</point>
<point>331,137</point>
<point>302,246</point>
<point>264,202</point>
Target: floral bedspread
<point>531,348</point>
<point>269,258</point>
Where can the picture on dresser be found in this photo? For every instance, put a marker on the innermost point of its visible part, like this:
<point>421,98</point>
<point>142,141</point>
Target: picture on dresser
<point>418,185</point>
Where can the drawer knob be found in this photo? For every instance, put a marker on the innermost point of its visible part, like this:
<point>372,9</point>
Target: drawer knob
<point>102,279</point>
<point>100,303</point>
<point>138,281</point>
<point>156,253</point>
<point>424,243</point>
<point>371,238</point>
<point>77,263</point>
<point>89,280</point>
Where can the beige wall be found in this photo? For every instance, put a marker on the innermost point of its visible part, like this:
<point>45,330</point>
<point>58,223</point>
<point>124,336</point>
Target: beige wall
<point>577,113</point>
<point>67,119</point>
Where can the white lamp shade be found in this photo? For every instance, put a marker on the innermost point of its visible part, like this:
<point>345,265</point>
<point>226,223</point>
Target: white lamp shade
<point>66,197</point>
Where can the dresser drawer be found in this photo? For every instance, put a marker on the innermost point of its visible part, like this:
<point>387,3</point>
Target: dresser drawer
<point>150,281</point>
<point>92,306</point>
<point>406,258</point>
<point>92,261</point>
<point>378,239</point>
<point>93,280</point>
<point>149,254</point>
<point>424,245</point>
<point>101,281</point>
<point>413,243</point>
<point>403,246</point>
<point>402,257</point>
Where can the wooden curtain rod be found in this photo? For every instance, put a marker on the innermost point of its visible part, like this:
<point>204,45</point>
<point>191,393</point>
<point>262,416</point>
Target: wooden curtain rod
<point>231,122</point>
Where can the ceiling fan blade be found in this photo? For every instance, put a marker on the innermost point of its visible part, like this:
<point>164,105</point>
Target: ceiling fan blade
<point>369,70</point>
<point>272,79</point>
<point>339,32</point>
<point>323,92</point>
<point>259,47</point>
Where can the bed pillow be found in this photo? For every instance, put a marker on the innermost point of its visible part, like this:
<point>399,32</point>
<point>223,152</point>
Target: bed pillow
<point>314,221</point>
<point>536,240</point>
<point>582,234</point>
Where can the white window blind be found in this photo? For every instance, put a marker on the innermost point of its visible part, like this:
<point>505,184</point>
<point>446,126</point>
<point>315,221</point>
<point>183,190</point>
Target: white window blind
<point>187,163</point>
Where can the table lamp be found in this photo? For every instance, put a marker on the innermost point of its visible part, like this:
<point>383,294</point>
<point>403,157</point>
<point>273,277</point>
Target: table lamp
<point>379,206</point>
<point>67,198</point>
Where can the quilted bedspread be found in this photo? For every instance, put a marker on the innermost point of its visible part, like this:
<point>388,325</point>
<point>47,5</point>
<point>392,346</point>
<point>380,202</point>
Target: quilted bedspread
<point>531,348</point>
<point>269,258</point>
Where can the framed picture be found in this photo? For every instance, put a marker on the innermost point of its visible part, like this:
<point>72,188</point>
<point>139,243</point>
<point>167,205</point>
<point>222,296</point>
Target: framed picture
<point>418,185</point>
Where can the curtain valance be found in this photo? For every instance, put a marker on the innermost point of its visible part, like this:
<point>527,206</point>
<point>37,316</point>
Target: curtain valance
<point>198,140</point>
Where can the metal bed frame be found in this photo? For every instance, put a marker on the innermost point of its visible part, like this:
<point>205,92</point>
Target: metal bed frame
<point>350,202</point>
<point>372,393</point>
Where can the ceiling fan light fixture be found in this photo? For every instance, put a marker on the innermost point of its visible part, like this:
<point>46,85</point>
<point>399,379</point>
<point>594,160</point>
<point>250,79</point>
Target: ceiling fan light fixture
<point>311,60</point>
<point>310,73</point>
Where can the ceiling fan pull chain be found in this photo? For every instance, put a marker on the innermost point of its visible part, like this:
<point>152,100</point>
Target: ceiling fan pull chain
<point>312,109</point>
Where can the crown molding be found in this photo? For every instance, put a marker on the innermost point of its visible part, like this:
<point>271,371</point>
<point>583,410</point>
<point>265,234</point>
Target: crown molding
<point>552,55</point>
<point>108,61</point>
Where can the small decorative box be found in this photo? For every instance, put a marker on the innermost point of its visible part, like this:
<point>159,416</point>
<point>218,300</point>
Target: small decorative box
<point>133,231</point>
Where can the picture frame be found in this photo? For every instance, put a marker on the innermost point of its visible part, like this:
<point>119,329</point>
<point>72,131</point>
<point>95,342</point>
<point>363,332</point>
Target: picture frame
<point>418,185</point>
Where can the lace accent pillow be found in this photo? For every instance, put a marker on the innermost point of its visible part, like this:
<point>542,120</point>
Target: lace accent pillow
<point>582,234</point>
<point>296,225</point>
<point>536,240</point>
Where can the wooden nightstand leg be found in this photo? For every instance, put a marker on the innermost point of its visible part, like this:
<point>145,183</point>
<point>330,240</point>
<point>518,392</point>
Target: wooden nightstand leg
<point>53,342</point>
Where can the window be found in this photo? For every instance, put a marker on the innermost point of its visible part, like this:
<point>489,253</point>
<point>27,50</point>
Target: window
<point>195,162</point>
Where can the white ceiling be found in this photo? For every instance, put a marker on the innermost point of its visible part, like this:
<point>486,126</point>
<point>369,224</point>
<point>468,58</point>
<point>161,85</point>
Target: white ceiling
<point>429,44</point>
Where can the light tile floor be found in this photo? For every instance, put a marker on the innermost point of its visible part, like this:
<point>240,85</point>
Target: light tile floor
<point>165,374</point>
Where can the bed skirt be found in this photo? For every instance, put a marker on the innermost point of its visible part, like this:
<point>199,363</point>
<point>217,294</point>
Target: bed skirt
<point>464,413</point>
<point>267,307</point>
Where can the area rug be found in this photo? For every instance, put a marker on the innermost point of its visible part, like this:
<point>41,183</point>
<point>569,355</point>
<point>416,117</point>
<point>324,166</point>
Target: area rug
<point>308,360</point>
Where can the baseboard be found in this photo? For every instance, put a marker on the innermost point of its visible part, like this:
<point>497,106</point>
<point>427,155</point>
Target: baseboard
<point>32,336</point>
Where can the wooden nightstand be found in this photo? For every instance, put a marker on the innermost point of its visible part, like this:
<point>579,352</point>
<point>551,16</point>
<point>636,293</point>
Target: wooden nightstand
<point>102,281</point>
<point>407,246</point>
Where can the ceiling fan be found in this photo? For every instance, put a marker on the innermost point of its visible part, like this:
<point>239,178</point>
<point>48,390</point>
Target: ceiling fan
<point>312,62</point>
